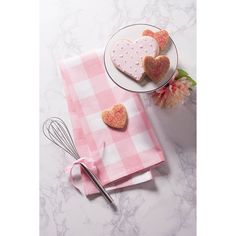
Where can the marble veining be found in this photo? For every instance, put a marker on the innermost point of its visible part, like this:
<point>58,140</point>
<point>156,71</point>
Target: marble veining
<point>165,206</point>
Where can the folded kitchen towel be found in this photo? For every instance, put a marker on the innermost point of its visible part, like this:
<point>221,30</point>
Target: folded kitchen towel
<point>128,154</point>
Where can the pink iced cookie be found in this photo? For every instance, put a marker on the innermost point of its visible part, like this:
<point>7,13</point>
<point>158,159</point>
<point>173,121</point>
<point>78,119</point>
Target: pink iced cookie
<point>127,56</point>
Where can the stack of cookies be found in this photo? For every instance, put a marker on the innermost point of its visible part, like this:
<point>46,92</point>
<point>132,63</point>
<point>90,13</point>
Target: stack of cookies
<point>142,57</point>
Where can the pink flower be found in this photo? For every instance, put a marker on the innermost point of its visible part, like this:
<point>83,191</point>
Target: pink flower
<point>174,93</point>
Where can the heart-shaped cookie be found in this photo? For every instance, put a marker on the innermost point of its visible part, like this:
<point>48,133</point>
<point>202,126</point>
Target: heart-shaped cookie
<point>116,117</point>
<point>162,37</point>
<point>127,56</point>
<point>155,68</point>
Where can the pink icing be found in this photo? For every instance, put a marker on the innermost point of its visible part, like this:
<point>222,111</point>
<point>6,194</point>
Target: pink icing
<point>127,56</point>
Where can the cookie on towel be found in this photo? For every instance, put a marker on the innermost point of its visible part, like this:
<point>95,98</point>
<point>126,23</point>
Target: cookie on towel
<point>156,68</point>
<point>127,56</point>
<point>116,117</point>
<point>162,37</point>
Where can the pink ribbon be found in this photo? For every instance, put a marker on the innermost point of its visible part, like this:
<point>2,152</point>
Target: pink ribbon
<point>87,162</point>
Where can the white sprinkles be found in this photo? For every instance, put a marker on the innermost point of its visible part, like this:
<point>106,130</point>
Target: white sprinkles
<point>128,56</point>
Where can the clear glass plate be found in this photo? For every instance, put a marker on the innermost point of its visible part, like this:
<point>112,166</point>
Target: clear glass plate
<point>132,32</point>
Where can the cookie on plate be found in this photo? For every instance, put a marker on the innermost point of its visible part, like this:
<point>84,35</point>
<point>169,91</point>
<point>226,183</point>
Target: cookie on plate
<point>156,67</point>
<point>162,37</point>
<point>127,56</point>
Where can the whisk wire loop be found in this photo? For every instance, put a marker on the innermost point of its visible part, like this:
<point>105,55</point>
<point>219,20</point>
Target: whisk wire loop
<point>56,131</point>
<point>64,141</point>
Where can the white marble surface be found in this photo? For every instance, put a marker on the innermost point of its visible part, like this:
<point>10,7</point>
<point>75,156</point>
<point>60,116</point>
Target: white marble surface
<point>163,207</point>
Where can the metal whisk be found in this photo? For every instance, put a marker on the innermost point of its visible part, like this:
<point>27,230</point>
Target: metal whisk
<point>56,131</point>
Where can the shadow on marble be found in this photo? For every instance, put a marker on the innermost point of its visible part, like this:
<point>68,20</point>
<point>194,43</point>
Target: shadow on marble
<point>179,124</point>
<point>162,170</point>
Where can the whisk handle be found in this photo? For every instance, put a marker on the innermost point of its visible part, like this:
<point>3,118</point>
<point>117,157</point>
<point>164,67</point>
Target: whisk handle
<point>97,183</point>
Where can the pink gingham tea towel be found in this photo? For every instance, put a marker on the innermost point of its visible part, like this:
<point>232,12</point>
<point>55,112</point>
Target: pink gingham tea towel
<point>129,154</point>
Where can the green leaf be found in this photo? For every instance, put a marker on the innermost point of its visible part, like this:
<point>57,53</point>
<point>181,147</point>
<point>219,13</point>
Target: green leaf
<point>194,83</point>
<point>181,73</point>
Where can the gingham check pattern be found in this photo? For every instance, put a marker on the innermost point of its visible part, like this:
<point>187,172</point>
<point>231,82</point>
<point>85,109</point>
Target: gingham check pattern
<point>128,155</point>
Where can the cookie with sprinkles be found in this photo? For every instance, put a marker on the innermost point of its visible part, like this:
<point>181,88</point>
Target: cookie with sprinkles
<point>162,37</point>
<point>115,117</point>
<point>127,56</point>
